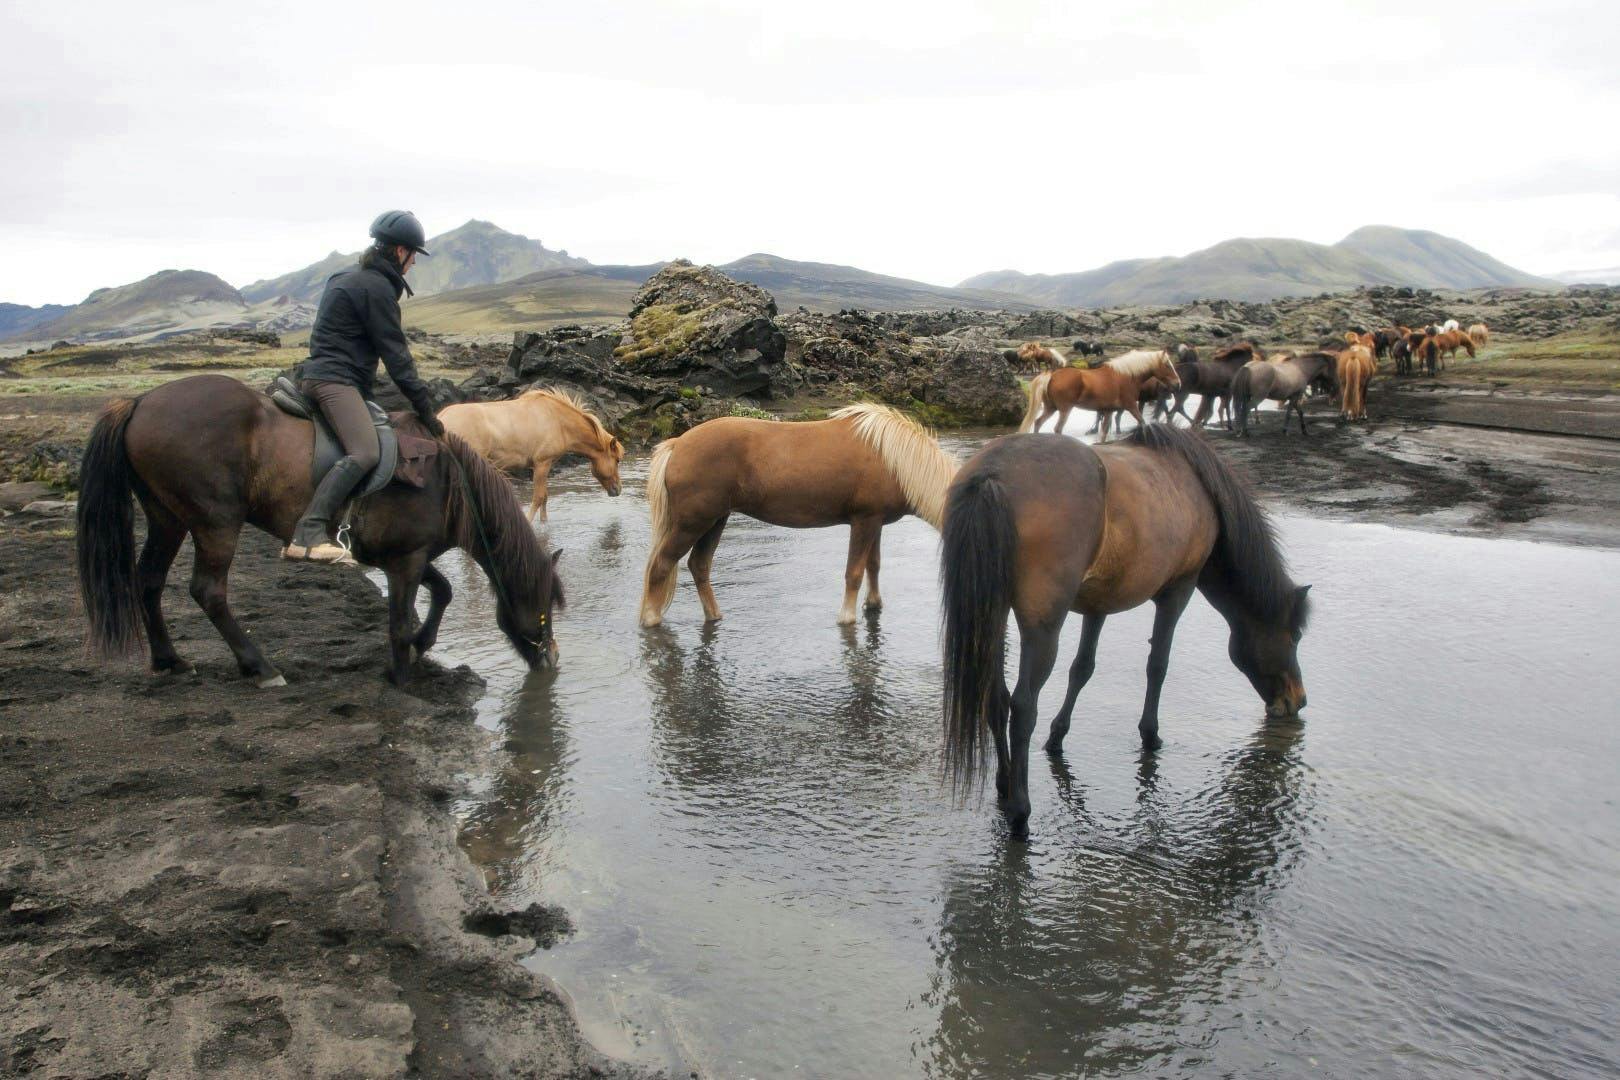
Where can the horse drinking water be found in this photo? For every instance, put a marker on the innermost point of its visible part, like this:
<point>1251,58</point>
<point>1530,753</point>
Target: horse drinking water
<point>533,431</point>
<point>1041,526</point>
<point>205,455</point>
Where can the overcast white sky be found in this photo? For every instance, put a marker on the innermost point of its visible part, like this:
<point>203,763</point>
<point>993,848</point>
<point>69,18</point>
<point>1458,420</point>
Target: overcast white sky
<point>931,140</point>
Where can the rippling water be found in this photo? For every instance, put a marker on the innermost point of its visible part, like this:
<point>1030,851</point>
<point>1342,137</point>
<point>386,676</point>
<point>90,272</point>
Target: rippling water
<point>746,824</point>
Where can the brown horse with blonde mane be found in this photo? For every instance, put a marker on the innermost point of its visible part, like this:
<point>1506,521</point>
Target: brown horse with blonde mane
<point>533,431</point>
<point>1113,387</point>
<point>1038,526</point>
<point>205,455</point>
<point>1032,355</point>
<point>866,466</point>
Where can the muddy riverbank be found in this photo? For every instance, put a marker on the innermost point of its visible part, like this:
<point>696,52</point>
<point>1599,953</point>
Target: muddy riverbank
<point>199,877</point>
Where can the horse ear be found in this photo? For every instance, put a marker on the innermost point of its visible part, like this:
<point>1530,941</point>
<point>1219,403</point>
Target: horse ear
<point>1301,591</point>
<point>555,555</point>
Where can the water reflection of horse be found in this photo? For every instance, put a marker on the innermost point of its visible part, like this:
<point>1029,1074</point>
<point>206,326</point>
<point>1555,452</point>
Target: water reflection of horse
<point>1110,388</point>
<point>534,430</point>
<point>1120,944</point>
<point>1044,526</point>
<point>205,455</point>
<point>529,792</point>
<point>865,467</point>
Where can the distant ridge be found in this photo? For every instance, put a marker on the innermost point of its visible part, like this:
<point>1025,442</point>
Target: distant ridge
<point>166,300</point>
<point>603,293</point>
<point>477,253</point>
<point>1269,269</point>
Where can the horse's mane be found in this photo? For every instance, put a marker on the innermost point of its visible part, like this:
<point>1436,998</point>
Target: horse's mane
<point>1138,361</point>
<point>1247,548</point>
<point>573,401</point>
<point>484,516</point>
<point>911,452</point>
<point>1255,352</point>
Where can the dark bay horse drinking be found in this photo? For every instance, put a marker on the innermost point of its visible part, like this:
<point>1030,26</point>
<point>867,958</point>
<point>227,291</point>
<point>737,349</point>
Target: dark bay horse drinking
<point>205,455</point>
<point>1040,526</point>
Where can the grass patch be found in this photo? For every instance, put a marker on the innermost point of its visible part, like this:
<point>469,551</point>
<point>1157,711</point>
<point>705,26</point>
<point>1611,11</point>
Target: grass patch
<point>749,411</point>
<point>663,330</point>
<point>1584,358</point>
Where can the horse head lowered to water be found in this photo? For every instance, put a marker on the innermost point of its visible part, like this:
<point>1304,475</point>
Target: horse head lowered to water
<point>205,455</point>
<point>1038,526</point>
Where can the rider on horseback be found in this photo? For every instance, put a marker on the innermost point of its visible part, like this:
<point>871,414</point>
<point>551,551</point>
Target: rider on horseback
<point>357,322</point>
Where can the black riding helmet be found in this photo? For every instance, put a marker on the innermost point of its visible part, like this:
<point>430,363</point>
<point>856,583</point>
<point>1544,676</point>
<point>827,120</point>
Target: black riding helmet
<point>400,227</point>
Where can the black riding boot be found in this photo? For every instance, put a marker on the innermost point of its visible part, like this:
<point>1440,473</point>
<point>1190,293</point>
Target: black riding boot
<point>311,539</point>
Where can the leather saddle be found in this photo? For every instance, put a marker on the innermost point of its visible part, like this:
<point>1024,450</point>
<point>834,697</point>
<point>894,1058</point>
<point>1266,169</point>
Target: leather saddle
<point>290,400</point>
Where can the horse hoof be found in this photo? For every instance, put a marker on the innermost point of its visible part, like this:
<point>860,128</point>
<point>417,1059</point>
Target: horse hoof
<point>273,682</point>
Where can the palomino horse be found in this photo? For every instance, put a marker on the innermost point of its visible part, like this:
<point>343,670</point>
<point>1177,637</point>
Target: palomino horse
<point>1043,526</point>
<point>206,455</point>
<point>1034,356</point>
<point>1279,380</point>
<point>1212,380</point>
<point>866,467</point>
<point>1479,334</point>
<point>533,431</point>
<point>1353,370</point>
<point>1110,388</point>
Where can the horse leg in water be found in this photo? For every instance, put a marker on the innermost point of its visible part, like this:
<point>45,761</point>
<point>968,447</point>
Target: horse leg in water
<point>1206,405</point>
<point>1298,402</point>
<point>667,555</point>
<point>210,573</point>
<point>1038,640</point>
<point>874,599</point>
<point>439,593</point>
<point>404,575</point>
<point>1097,423</point>
<point>542,473</point>
<point>1063,418</point>
<point>863,533</point>
<point>164,535</point>
<point>1085,662</point>
<point>1167,609</point>
<point>700,562</point>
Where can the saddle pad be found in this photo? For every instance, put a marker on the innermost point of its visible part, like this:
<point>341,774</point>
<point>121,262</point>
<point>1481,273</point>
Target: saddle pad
<point>416,454</point>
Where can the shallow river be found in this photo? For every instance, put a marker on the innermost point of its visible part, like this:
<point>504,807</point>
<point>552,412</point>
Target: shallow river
<point>767,879</point>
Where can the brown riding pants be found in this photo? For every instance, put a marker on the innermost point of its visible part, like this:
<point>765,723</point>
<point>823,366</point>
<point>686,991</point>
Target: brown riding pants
<point>346,411</point>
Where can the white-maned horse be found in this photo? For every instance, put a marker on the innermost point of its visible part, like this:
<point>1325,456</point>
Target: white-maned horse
<point>533,431</point>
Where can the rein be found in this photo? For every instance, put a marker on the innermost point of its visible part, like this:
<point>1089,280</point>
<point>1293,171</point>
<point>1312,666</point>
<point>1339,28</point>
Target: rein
<point>489,551</point>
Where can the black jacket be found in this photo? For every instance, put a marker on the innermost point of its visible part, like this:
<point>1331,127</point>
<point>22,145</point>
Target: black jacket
<point>357,323</point>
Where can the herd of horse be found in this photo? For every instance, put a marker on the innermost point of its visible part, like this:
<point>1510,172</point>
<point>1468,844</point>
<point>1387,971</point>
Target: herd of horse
<point>1034,526</point>
<point>1241,374</point>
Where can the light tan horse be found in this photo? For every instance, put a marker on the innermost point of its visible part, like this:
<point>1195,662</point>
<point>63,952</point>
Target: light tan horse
<point>1353,371</point>
<point>1115,386</point>
<point>1479,334</point>
<point>865,467</point>
<point>533,431</point>
<point>1040,357</point>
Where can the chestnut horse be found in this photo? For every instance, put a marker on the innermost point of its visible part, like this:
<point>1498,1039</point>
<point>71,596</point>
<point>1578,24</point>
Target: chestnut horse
<point>1212,380</point>
<point>1353,370</point>
<point>205,455</point>
<point>1280,380</point>
<point>866,467</point>
<point>1112,387</point>
<point>1449,341</point>
<point>533,431</point>
<point>1042,526</point>
<point>1032,355</point>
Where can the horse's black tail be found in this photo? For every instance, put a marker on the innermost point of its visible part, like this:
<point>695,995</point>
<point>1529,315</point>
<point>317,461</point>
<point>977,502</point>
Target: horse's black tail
<point>108,583</point>
<point>979,544</point>
<point>1240,398</point>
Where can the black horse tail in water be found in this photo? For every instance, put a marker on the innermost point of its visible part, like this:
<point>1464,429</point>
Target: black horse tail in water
<point>979,546</point>
<point>108,583</point>
<point>1241,389</point>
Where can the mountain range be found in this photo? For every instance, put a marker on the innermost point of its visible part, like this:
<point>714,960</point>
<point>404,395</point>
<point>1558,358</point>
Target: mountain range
<point>483,278</point>
<point>477,253</point>
<point>1269,269</point>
